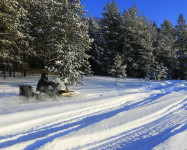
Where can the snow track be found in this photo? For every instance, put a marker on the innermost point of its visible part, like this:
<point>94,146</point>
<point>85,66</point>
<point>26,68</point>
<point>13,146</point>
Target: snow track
<point>141,117</point>
<point>156,128</point>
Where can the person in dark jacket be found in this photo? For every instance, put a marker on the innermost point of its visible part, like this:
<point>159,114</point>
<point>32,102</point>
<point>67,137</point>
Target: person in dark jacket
<point>44,83</point>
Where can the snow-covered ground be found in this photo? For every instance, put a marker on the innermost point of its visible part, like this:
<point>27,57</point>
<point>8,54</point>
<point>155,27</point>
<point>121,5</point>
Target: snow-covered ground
<point>131,115</point>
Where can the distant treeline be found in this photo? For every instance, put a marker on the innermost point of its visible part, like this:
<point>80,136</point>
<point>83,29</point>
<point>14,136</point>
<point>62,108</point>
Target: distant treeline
<point>146,50</point>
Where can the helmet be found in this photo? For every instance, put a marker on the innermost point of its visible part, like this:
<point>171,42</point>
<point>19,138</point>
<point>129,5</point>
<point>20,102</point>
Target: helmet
<point>44,75</point>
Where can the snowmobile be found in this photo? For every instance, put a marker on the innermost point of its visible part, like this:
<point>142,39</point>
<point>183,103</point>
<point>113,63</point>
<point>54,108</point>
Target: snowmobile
<point>27,91</point>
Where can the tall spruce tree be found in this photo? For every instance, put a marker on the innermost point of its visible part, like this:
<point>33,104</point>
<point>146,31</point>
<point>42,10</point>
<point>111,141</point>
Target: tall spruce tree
<point>146,39</point>
<point>181,46</point>
<point>140,36</point>
<point>41,30</point>
<point>97,50</point>
<point>130,44</point>
<point>164,52</point>
<point>112,33</point>
<point>9,17</point>
<point>24,47</point>
<point>71,41</point>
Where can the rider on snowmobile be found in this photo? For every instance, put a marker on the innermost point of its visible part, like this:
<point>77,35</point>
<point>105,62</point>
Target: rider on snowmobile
<point>44,83</point>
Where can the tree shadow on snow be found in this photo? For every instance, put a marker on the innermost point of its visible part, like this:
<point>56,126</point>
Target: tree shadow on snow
<point>143,143</point>
<point>71,127</point>
<point>2,95</point>
<point>143,140</point>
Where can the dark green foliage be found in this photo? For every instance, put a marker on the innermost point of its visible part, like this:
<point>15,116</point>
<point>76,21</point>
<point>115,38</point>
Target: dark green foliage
<point>111,29</point>
<point>164,50</point>
<point>9,18</point>
<point>118,70</point>
<point>56,33</point>
<point>43,33</point>
<point>148,51</point>
<point>96,51</point>
<point>181,46</point>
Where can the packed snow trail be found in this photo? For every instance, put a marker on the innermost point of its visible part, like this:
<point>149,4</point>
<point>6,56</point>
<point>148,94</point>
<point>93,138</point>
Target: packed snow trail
<point>109,133</point>
<point>148,135</point>
<point>132,115</point>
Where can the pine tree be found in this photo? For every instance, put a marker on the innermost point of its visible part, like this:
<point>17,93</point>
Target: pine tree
<point>118,70</point>
<point>96,51</point>
<point>160,72</point>
<point>40,16</point>
<point>111,30</point>
<point>146,39</point>
<point>181,46</point>
<point>24,43</point>
<point>71,41</point>
<point>164,51</point>
<point>131,44</point>
<point>140,36</point>
<point>9,17</point>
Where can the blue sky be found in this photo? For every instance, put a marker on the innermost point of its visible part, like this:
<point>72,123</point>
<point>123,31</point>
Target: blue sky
<point>156,10</point>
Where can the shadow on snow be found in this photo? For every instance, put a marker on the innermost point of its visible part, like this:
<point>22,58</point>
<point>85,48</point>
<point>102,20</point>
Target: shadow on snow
<point>71,127</point>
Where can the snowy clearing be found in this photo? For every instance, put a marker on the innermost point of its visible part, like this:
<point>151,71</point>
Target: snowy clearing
<point>132,115</point>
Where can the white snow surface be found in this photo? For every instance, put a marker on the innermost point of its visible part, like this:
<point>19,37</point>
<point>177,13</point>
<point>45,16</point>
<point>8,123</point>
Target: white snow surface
<point>133,114</point>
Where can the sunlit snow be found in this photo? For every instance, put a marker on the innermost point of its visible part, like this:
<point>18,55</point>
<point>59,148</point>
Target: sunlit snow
<point>129,114</point>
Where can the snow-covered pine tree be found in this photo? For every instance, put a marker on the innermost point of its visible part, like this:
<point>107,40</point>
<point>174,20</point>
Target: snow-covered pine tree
<point>8,32</point>
<point>118,70</point>
<point>146,40</point>
<point>131,32</point>
<point>181,46</point>
<point>96,51</point>
<point>159,71</point>
<point>24,42</point>
<point>140,36</point>
<point>94,26</point>
<point>164,50</point>
<point>71,41</point>
<point>39,14</point>
<point>112,33</point>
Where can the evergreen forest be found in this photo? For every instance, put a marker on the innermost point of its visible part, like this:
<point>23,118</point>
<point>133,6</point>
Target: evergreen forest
<point>56,35</point>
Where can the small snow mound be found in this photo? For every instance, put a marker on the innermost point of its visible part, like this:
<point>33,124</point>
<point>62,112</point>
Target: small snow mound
<point>163,87</point>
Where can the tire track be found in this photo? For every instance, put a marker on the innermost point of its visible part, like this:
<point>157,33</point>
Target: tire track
<point>149,135</point>
<point>45,133</point>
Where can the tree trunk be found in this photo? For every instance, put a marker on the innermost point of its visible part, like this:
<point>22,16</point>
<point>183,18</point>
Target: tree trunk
<point>14,69</point>
<point>25,72</point>
<point>4,72</point>
<point>10,73</point>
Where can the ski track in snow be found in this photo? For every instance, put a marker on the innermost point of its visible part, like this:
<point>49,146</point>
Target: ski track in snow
<point>143,137</point>
<point>145,132</point>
